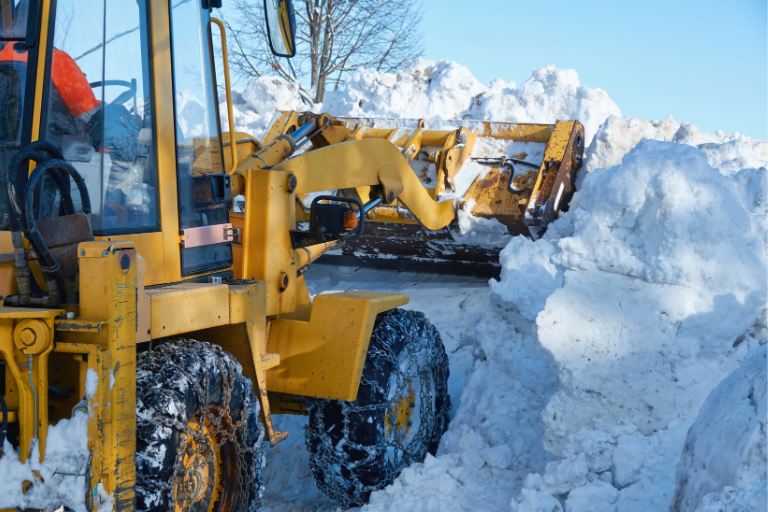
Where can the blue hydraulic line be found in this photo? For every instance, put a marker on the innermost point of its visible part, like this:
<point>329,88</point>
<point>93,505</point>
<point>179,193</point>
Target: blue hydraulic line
<point>368,206</point>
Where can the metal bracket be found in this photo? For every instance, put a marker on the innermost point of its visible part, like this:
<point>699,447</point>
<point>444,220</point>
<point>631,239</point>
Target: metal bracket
<point>234,235</point>
<point>209,235</point>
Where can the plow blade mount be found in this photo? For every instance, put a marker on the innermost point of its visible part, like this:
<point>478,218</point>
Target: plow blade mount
<point>504,179</point>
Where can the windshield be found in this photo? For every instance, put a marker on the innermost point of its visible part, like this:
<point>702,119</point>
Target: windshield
<point>13,89</point>
<point>99,111</point>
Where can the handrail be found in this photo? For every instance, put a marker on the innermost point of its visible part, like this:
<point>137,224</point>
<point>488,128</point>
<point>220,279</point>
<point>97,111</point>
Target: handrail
<point>230,114</point>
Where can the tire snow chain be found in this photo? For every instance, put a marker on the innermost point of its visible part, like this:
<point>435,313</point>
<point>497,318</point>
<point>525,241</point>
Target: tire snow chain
<point>403,456</point>
<point>221,433</point>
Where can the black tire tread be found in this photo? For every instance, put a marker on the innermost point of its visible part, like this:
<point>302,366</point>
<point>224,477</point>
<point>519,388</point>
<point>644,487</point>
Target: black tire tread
<point>181,377</point>
<point>344,439</point>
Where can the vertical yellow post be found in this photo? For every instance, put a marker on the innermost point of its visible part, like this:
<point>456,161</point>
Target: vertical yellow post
<point>267,251</point>
<point>108,293</point>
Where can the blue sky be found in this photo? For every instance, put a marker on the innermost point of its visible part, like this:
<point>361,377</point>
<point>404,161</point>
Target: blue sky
<point>704,62</point>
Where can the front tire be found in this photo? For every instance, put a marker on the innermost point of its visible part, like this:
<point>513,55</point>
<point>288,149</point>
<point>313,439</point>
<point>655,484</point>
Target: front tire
<point>399,416</point>
<point>198,434</point>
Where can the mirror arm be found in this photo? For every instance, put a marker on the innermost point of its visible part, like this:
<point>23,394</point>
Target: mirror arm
<point>228,86</point>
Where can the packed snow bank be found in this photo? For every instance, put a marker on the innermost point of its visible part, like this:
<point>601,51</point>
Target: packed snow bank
<point>645,295</point>
<point>658,281</point>
<point>726,445</point>
<point>752,498</point>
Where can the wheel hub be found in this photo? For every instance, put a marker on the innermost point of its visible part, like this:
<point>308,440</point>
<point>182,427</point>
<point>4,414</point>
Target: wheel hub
<point>402,410</point>
<point>198,484</point>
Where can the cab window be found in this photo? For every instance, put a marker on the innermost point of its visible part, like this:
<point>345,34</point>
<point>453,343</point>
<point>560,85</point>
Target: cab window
<point>99,111</point>
<point>13,88</point>
<point>198,140</point>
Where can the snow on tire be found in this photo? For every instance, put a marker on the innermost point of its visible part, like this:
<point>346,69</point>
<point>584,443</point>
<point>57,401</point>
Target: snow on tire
<point>399,416</point>
<point>198,434</point>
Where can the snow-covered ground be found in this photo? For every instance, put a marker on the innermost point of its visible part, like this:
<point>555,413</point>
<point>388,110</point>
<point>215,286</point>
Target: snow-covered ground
<point>619,363</point>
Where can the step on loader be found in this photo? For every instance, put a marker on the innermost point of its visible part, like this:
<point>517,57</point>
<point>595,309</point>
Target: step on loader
<point>138,301</point>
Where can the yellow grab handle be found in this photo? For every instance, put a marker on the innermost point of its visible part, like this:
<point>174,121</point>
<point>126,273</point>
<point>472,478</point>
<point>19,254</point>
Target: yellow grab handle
<point>230,115</point>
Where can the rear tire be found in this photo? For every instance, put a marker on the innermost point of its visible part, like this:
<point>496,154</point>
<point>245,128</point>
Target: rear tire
<point>399,416</point>
<point>198,434</point>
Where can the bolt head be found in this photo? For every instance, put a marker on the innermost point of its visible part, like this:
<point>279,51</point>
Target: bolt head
<point>291,183</point>
<point>283,281</point>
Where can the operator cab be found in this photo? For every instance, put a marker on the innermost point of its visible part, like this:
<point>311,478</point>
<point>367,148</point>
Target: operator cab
<point>97,105</point>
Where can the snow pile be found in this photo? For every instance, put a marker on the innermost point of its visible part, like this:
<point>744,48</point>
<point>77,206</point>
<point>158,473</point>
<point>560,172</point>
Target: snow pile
<point>726,152</point>
<point>447,90</point>
<point>59,480</point>
<point>255,107</point>
<point>726,445</point>
<point>424,88</point>
<point>603,339</point>
<point>550,94</point>
<point>645,295</point>
<point>613,465</point>
<point>432,90</point>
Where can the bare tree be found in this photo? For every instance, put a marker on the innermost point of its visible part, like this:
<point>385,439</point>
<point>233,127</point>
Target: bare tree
<point>333,38</point>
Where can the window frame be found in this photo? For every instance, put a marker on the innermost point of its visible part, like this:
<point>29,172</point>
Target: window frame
<point>209,265</point>
<point>150,79</point>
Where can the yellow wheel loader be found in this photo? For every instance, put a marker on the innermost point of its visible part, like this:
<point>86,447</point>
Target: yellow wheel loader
<point>137,300</point>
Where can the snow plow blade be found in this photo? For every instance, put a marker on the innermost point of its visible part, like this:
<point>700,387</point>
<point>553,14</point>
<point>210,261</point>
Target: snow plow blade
<point>503,178</point>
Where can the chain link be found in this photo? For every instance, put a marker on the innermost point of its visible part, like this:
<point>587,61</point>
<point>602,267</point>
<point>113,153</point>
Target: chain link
<point>215,422</point>
<point>419,361</point>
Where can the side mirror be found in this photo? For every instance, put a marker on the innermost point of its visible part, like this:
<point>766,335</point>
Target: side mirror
<point>281,27</point>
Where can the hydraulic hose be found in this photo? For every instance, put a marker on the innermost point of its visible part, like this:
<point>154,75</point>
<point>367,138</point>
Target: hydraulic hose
<point>16,179</point>
<point>49,264</point>
<point>21,201</point>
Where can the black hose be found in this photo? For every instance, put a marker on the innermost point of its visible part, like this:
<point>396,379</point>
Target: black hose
<point>49,264</point>
<point>64,168</point>
<point>21,194</point>
<point>16,179</point>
